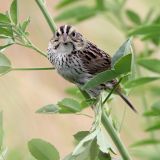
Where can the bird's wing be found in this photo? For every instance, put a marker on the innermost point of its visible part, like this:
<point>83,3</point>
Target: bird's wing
<point>94,59</point>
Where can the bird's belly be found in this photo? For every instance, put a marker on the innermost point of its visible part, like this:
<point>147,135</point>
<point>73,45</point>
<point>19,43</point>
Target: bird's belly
<point>69,71</point>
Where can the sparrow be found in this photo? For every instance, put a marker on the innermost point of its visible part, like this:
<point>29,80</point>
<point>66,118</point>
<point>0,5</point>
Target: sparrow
<point>78,60</point>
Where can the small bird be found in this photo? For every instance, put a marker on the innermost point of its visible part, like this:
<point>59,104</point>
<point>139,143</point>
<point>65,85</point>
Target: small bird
<point>78,60</point>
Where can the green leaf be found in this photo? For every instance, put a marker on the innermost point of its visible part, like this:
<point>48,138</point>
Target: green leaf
<point>78,13</point>
<point>51,108</point>
<point>120,68</point>
<point>81,146</point>
<point>103,143</point>
<point>146,142</point>
<point>4,18</point>
<point>68,105</point>
<point>154,111</point>
<point>100,78</point>
<point>156,106</point>
<point>150,64</point>
<point>5,46</point>
<point>74,92</point>
<point>80,135</point>
<point>143,30</point>
<point>5,64</point>
<point>94,150</point>
<point>100,4</point>
<point>4,37</point>
<point>1,130</point>
<point>64,3</point>
<point>104,156</point>
<point>88,102</point>
<point>14,12</point>
<point>140,81</point>
<point>153,127</point>
<point>43,150</point>
<point>125,48</point>
<point>123,65</point>
<point>155,90</point>
<point>25,24</point>
<point>133,17</point>
<point>6,31</point>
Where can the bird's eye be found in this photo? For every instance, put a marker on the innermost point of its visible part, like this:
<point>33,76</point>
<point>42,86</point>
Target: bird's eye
<point>73,34</point>
<point>57,34</point>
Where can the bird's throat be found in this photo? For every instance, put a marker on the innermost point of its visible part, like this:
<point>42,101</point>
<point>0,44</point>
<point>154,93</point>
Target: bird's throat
<point>65,48</point>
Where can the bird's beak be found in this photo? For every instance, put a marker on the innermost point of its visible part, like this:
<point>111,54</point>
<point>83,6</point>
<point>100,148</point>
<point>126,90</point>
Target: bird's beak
<point>64,37</point>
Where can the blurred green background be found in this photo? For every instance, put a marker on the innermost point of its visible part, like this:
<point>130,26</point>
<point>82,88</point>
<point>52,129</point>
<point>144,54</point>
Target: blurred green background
<point>23,92</point>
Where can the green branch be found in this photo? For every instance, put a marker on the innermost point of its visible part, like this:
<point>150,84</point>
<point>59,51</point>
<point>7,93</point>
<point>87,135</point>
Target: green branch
<point>115,137</point>
<point>32,46</point>
<point>46,14</point>
<point>31,69</point>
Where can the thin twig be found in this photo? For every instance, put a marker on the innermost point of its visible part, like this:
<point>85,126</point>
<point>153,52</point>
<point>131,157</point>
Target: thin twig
<point>110,93</point>
<point>31,69</point>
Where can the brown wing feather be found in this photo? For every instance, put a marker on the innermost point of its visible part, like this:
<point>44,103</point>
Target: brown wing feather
<point>94,59</point>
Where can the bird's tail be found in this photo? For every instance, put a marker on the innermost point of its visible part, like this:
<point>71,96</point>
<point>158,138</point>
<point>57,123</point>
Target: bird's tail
<point>126,100</point>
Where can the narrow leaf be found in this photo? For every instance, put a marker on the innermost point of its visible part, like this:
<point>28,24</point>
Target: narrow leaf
<point>51,108</point>
<point>154,111</point>
<point>125,48</point>
<point>80,135</point>
<point>100,78</point>
<point>4,18</point>
<point>25,24</point>
<point>74,92</point>
<point>146,142</point>
<point>43,150</point>
<point>133,17</point>
<point>5,64</point>
<point>68,105</point>
<point>77,13</point>
<point>100,4</point>
<point>150,64</point>
<point>14,12</point>
<point>64,3</point>
<point>5,46</point>
<point>142,30</point>
<point>154,127</point>
<point>6,31</point>
<point>140,81</point>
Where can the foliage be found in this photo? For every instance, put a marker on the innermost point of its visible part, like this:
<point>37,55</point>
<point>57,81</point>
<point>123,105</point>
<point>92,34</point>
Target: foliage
<point>93,144</point>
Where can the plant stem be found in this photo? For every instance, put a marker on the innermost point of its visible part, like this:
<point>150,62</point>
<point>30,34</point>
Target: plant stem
<point>31,69</point>
<point>110,93</point>
<point>46,14</point>
<point>114,135</point>
<point>32,46</point>
<point>38,50</point>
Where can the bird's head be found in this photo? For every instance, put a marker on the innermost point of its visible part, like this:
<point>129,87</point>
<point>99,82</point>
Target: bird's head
<point>67,35</point>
